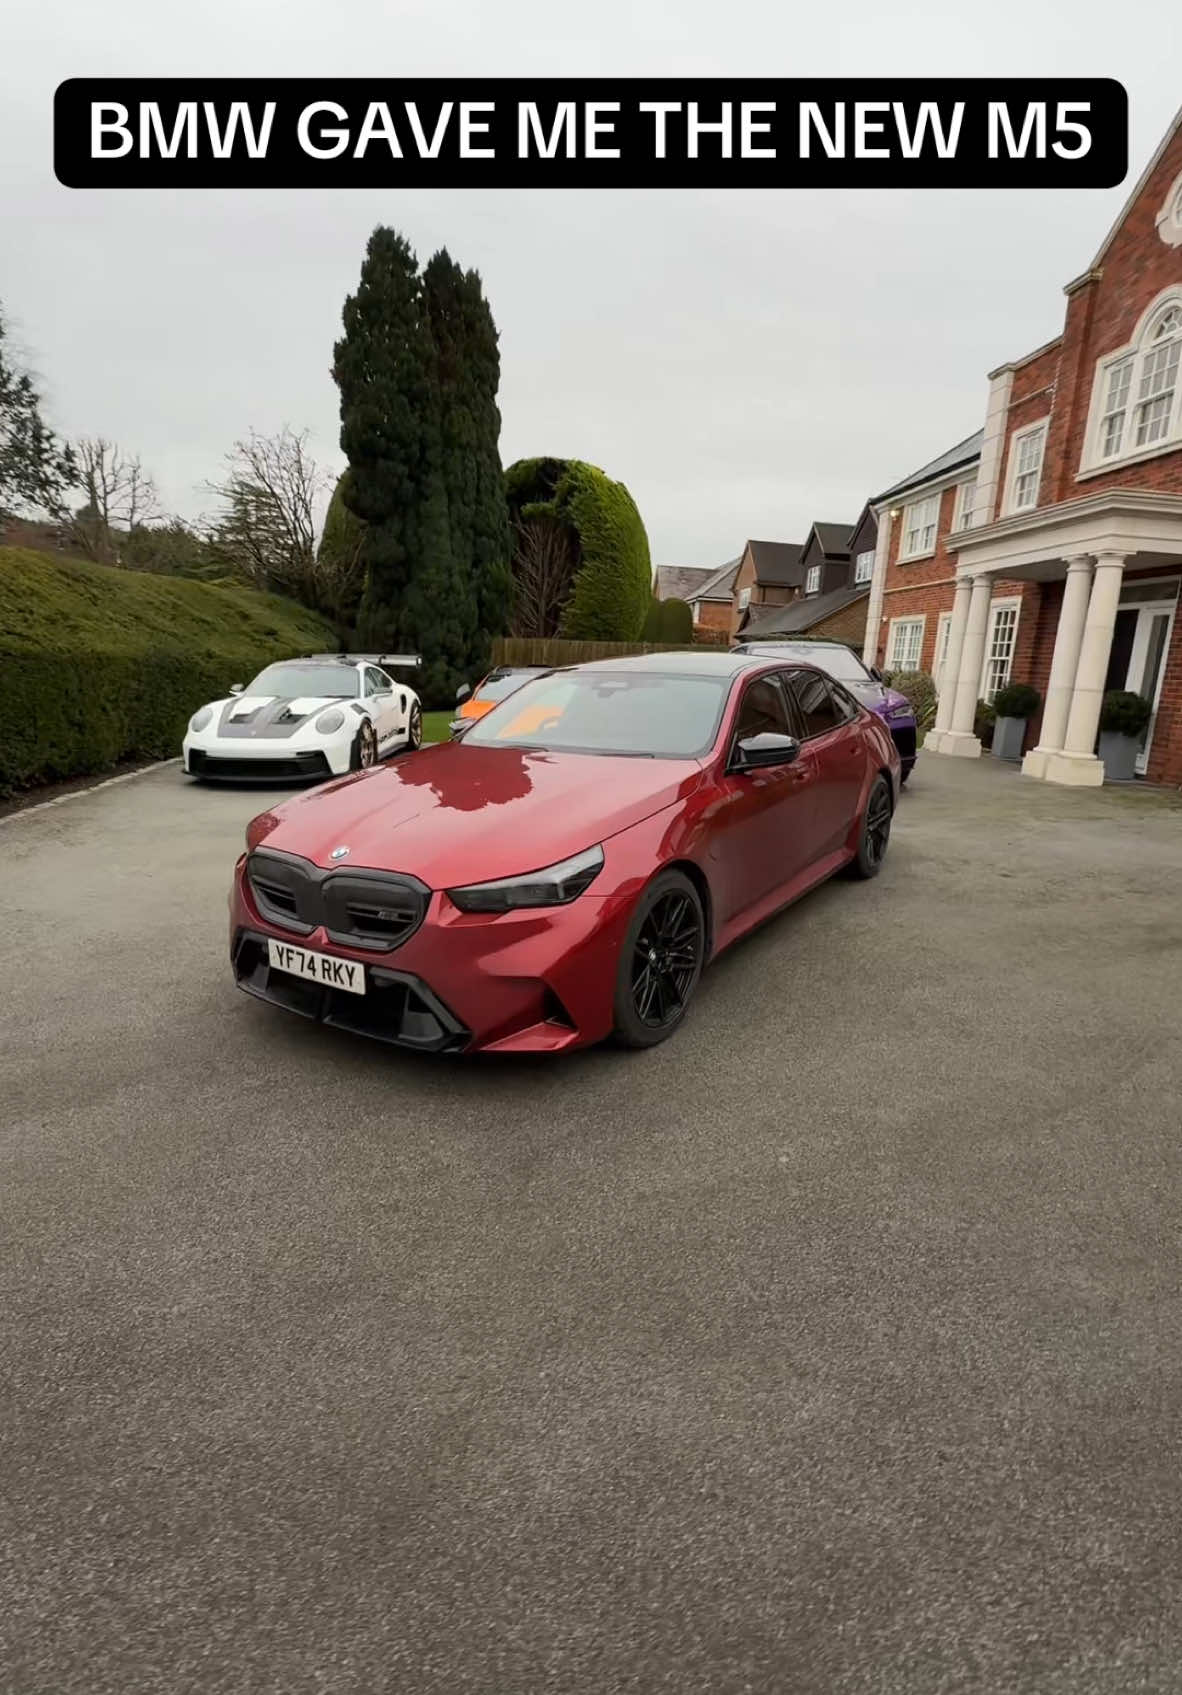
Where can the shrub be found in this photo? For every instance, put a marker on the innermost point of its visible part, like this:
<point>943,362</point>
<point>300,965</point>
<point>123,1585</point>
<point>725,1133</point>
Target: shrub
<point>101,664</point>
<point>1017,700</point>
<point>1123,713</point>
<point>650,630</point>
<point>984,720</point>
<point>920,690</point>
<point>611,586</point>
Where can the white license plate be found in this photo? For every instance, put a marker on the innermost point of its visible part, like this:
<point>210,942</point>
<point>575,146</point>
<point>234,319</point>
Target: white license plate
<point>320,967</point>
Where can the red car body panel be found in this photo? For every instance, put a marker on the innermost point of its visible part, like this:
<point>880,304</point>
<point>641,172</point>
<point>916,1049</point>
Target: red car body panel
<point>543,978</point>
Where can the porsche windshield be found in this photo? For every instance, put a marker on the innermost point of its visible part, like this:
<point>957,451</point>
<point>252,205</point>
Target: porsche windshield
<point>290,682</point>
<point>608,712</point>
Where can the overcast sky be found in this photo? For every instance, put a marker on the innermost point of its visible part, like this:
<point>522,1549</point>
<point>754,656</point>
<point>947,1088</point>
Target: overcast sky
<point>745,362</point>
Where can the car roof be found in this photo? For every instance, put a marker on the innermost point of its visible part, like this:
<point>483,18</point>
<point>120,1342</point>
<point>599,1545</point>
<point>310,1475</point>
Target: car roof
<point>704,662</point>
<point>773,647</point>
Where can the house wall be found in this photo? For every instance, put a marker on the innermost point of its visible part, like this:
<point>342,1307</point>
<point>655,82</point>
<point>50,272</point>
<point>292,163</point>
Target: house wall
<point>762,594</point>
<point>715,614</point>
<point>848,625</point>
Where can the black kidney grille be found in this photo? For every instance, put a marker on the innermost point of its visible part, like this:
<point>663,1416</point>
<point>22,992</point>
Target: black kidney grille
<point>361,908</point>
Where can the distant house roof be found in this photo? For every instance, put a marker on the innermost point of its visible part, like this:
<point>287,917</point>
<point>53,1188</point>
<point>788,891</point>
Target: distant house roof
<point>801,615</point>
<point>834,538</point>
<point>964,453</point>
<point>776,562</point>
<point>681,582</point>
<point>721,586</point>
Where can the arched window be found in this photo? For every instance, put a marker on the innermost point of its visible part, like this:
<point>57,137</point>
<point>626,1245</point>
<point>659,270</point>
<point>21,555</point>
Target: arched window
<point>1139,389</point>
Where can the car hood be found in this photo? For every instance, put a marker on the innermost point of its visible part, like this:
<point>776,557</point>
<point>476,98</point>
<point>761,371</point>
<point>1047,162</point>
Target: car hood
<point>877,697</point>
<point>454,813</point>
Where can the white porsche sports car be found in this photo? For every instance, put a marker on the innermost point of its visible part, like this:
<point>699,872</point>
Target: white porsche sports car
<point>316,717</point>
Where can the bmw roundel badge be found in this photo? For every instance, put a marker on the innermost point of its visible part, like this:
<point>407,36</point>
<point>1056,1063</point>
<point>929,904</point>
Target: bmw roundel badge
<point>339,853</point>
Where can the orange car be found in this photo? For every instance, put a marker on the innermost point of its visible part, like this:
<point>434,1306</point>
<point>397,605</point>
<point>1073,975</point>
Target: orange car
<point>490,691</point>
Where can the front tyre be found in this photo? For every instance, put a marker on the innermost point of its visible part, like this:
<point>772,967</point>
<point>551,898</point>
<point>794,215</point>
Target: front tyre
<point>365,748</point>
<point>660,962</point>
<point>875,834</point>
<point>414,729</point>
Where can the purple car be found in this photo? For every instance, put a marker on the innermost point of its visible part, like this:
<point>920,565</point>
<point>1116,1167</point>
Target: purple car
<point>842,662</point>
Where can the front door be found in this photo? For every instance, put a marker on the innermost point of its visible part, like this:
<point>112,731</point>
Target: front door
<point>1147,663</point>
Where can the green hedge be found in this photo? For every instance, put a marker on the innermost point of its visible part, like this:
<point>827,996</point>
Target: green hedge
<point>612,585</point>
<point>99,665</point>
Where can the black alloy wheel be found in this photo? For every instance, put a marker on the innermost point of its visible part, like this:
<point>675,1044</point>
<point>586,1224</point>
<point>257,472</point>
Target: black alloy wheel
<point>661,961</point>
<point>876,831</point>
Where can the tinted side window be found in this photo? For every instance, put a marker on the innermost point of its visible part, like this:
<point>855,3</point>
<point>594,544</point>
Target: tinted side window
<point>375,683</point>
<point>846,706</point>
<point>814,702</point>
<point>763,709</point>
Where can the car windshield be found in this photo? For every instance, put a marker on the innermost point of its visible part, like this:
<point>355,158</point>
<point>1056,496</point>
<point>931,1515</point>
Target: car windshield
<point>497,687</point>
<point>608,712</point>
<point>836,662</point>
<point>289,682</point>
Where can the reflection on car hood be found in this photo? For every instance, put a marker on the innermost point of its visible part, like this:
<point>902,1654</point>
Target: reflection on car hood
<point>455,813</point>
<point>878,697</point>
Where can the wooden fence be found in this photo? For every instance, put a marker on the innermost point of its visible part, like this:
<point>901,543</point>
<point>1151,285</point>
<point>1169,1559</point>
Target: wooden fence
<point>553,650</point>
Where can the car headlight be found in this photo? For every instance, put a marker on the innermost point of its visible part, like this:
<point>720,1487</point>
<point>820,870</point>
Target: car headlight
<point>904,710</point>
<point>556,885</point>
<point>330,720</point>
<point>200,719</point>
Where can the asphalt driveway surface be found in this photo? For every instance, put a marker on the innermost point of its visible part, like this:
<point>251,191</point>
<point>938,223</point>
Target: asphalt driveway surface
<point>834,1346</point>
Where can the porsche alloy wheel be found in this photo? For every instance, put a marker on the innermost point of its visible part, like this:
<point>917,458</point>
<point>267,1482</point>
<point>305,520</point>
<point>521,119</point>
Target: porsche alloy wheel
<point>365,748</point>
<point>414,730</point>
<point>660,962</point>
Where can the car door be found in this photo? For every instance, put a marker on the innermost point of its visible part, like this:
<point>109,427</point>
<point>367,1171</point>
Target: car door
<point>764,832</point>
<point>830,729</point>
<point>379,693</point>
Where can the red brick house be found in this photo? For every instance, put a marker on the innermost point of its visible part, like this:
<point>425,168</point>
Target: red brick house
<point>1047,548</point>
<point>836,563</point>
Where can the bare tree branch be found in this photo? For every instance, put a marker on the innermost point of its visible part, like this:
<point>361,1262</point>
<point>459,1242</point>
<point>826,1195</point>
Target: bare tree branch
<point>120,497</point>
<point>266,521</point>
<point>543,575</point>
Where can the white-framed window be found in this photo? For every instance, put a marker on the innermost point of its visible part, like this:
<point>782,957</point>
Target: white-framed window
<point>905,644</point>
<point>864,566</point>
<point>744,599</point>
<point>920,520</point>
<point>1137,393</point>
<point>966,494</point>
<point>1000,638</point>
<point>1026,451</point>
<point>940,658</point>
<point>812,582</point>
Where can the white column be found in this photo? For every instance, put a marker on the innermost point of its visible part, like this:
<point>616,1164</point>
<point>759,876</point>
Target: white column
<point>882,548</point>
<point>960,618</point>
<point>1064,663</point>
<point>959,737</point>
<point>1077,765</point>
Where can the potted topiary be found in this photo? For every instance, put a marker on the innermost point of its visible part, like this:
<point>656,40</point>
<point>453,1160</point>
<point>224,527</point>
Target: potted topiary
<point>1123,720</point>
<point>1014,706</point>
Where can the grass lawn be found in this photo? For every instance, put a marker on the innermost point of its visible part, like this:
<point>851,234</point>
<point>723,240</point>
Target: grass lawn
<point>435,726</point>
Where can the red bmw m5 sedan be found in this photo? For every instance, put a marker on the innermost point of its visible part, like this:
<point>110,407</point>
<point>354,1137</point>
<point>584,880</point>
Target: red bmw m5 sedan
<point>565,870</point>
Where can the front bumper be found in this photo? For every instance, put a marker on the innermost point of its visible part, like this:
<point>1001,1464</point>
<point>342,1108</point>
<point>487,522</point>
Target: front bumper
<point>233,768</point>
<point>905,739</point>
<point>537,980</point>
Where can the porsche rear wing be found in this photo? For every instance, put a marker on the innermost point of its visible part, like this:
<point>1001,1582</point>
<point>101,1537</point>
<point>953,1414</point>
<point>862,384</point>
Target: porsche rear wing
<point>401,661</point>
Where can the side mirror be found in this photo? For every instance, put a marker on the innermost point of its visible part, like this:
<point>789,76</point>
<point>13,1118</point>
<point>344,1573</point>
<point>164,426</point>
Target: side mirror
<point>458,726</point>
<point>237,688</point>
<point>876,673</point>
<point>462,694</point>
<point>755,753</point>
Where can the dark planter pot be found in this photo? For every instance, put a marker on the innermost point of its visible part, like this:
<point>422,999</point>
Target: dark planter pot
<point>1118,755</point>
<point>1008,736</point>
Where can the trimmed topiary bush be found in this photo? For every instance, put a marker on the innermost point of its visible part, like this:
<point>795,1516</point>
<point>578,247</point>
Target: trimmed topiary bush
<point>611,568</point>
<point>920,690</point>
<point>677,622</point>
<point>1017,700</point>
<point>99,664</point>
<point>1123,713</point>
